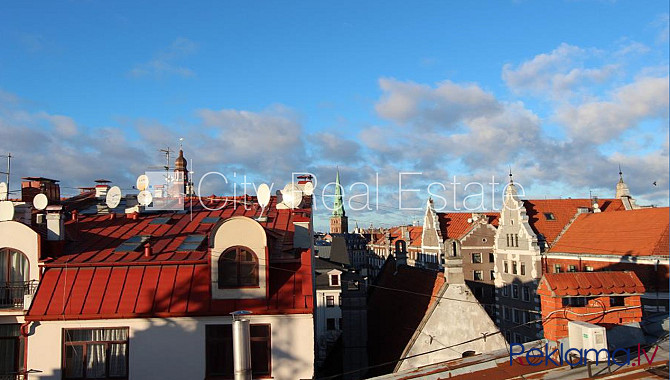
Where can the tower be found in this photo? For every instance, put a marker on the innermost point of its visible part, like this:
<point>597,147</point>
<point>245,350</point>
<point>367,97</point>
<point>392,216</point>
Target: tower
<point>338,220</point>
<point>181,173</point>
<point>623,193</point>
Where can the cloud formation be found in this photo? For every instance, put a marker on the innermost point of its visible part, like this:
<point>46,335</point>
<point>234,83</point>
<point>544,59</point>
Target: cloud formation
<point>165,62</point>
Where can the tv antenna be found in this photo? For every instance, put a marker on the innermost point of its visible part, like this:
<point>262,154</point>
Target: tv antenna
<point>167,152</point>
<point>113,197</point>
<point>9,167</point>
<point>40,202</point>
<point>263,196</point>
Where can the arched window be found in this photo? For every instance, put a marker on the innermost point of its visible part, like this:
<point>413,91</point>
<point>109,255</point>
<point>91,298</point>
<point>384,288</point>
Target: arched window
<point>13,267</point>
<point>238,267</point>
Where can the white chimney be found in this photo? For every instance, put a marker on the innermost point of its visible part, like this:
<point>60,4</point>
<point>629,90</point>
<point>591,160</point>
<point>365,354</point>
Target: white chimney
<point>55,225</point>
<point>241,346</point>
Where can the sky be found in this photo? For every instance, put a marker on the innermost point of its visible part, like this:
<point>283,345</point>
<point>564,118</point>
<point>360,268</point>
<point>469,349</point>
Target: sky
<point>561,92</point>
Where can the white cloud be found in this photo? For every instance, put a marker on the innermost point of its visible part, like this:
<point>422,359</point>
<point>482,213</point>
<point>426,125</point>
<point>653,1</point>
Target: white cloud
<point>165,62</point>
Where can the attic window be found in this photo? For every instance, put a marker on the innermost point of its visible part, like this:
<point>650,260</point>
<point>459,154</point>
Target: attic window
<point>133,243</point>
<point>164,220</point>
<point>210,220</point>
<point>191,243</point>
<point>549,216</point>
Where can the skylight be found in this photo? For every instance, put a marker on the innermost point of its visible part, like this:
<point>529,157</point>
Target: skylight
<point>132,244</point>
<point>163,220</point>
<point>210,220</point>
<point>191,243</point>
<point>549,216</point>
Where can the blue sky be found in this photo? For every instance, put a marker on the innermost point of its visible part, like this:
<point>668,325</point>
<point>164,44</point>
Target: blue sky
<point>562,91</point>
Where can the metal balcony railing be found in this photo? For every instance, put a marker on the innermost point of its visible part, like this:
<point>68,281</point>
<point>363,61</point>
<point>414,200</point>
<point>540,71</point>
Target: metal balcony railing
<point>12,293</point>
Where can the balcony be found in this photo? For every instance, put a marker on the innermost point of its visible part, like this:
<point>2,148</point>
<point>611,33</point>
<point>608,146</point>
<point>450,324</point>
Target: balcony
<point>12,293</point>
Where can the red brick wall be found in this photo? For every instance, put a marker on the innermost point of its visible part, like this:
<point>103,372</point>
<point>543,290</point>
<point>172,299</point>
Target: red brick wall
<point>556,324</point>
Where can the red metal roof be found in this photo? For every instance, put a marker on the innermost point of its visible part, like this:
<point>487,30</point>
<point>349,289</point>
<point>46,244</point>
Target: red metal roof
<point>88,280</point>
<point>563,211</point>
<point>590,284</point>
<point>642,232</point>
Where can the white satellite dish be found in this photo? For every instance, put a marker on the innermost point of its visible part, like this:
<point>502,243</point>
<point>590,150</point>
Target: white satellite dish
<point>291,195</point>
<point>6,211</point>
<point>142,182</point>
<point>113,197</point>
<point>40,201</point>
<point>3,191</point>
<point>308,189</point>
<point>144,198</point>
<point>263,194</point>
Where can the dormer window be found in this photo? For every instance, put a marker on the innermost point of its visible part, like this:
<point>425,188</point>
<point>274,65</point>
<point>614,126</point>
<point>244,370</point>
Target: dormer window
<point>549,216</point>
<point>238,268</point>
<point>334,280</point>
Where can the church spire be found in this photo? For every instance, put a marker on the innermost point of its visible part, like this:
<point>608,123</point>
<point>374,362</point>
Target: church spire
<point>621,186</point>
<point>510,189</point>
<point>338,205</point>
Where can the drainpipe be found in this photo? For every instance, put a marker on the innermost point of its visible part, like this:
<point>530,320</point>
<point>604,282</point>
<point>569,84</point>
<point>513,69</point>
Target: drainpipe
<point>241,345</point>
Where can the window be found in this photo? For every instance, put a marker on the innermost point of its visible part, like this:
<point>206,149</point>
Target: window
<point>95,353</point>
<point>515,291</point>
<point>14,278</point>
<point>191,243</point>
<point>505,267</point>
<point>549,216</point>
<point>478,275</point>
<point>525,293</point>
<point>522,269</point>
<point>493,275</point>
<point>330,301</point>
<point>574,301</point>
<point>330,324</point>
<point>132,243</point>
<point>617,301</point>
<point>334,280</point>
<point>572,268</point>
<point>505,291</point>
<point>588,269</point>
<point>506,312</point>
<point>557,268</point>
<point>514,267</point>
<point>516,316</point>
<point>476,258</point>
<point>508,240</point>
<point>516,240</point>
<point>492,257</point>
<point>238,267</point>
<point>219,350</point>
<point>11,349</point>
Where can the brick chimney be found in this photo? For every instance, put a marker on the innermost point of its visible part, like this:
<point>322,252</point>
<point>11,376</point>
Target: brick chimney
<point>31,186</point>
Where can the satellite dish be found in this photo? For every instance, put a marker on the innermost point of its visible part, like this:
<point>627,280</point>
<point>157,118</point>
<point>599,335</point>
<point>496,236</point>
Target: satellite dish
<point>144,198</point>
<point>40,201</point>
<point>113,197</point>
<point>3,191</point>
<point>6,211</point>
<point>263,194</point>
<point>142,182</point>
<point>308,189</point>
<point>291,195</point>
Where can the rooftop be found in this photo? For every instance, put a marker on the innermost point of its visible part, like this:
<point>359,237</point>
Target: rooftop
<point>573,284</point>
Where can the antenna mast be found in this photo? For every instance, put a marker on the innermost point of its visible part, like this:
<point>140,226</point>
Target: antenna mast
<point>9,167</point>
<point>167,152</point>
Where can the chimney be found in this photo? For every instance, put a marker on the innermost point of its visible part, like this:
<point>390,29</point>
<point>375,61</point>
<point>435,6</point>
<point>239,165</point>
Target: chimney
<point>101,187</point>
<point>453,268</point>
<point>147,250</point>
<point>55,226</point>
<point>241,346</point>
<point>31,186</point>
<point>400,253</point>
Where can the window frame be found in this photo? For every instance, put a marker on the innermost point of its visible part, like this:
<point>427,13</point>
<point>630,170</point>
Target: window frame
<point>525,293</point>
<point>222,258</point>
<point>492,257</point>
<point>474,275</point>
<point>85,344</point>
<point>515,291</point>
<point>476,258</point>
<point>330,301</point>
<point>19,348</point>
<point>522,268</point>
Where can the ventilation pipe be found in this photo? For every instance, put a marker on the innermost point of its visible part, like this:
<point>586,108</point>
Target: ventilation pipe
<point>241,345</point>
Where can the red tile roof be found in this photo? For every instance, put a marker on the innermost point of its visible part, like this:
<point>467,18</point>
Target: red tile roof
<point>454,225</point>
<point>563,211</point>
<point>88,280</point>
<point>397,303</point>
<point>641,232</point>
<point>589,284</point>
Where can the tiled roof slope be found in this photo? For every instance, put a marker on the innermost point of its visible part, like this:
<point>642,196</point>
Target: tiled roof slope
<point>590,284</point>
<point>563,211</point>
<point>642,232</point>
<point>397,303</point>
<point>454,225</point>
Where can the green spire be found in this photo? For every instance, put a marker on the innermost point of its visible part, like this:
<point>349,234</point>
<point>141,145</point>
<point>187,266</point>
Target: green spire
<point>338,205</point>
